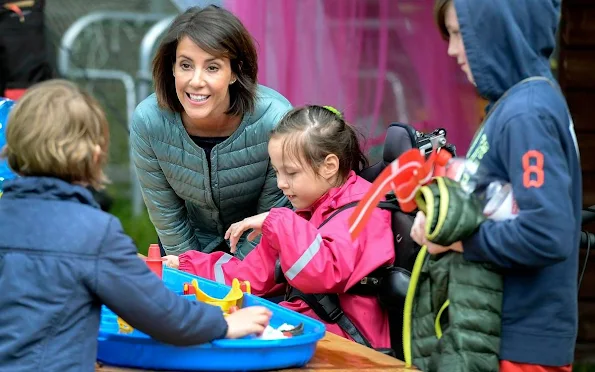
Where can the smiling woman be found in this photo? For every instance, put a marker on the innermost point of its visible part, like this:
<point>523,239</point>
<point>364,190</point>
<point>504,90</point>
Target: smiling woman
<point>199,144</point>
<point>202,86</point>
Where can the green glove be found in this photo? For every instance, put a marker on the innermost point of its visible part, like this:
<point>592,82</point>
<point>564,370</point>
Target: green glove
<point>451,215</point>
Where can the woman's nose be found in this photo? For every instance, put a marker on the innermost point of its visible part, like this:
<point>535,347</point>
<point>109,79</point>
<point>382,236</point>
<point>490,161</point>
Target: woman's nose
<point>197,79</point>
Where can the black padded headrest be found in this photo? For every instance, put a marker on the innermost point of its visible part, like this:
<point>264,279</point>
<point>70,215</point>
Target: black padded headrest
<point>399,138</point>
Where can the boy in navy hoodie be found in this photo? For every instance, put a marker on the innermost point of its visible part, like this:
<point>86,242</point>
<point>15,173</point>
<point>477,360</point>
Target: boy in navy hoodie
<point>527,139</point>
<point>61,257</point>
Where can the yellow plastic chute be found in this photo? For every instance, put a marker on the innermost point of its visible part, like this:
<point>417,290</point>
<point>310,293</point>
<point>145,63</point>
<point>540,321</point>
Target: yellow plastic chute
<point>233,298</point>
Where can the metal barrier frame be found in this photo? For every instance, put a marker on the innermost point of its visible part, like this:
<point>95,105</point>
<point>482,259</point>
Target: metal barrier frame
<point>144,76</point>
<point>67,70</point>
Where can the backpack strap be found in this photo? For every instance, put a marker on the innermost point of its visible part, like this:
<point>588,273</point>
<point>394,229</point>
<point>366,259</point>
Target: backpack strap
<point>326,305</point>
<point>341,209</point>
<point>328,308</point>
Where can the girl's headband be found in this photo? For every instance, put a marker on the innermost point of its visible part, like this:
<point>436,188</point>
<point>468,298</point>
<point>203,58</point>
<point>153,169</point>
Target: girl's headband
<point>334,111</point>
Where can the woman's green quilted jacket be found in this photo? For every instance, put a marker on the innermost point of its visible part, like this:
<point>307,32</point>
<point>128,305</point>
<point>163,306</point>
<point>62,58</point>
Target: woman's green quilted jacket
<point>191,207</point>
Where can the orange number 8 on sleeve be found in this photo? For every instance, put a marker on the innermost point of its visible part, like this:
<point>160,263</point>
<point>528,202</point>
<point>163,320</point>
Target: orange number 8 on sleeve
<point>533,175</point>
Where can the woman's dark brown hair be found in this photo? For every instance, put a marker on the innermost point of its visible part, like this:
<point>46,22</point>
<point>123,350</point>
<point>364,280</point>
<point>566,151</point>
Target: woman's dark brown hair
<point>440,16</point>
<point>219,33</point>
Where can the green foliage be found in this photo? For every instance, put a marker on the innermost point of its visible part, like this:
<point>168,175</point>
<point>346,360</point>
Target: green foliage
<point>140,228</point>
<point>583,368</point>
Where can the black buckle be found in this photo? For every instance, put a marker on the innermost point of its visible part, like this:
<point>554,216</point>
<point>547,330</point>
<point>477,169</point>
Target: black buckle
<point>335,315</point>
<point>330,305</point>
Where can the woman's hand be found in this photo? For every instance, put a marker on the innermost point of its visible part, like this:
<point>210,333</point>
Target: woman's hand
<point>236,230</point>
<point>418,234</point>
<point>172,261</point>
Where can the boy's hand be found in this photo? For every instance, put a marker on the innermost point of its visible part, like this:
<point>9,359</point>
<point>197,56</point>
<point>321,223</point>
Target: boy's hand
<point>172,261</point>
<point>247,321</point>
<point>418,230</point>
<point>236,230</point>
<point>437,249</point>
<point>418,234</point>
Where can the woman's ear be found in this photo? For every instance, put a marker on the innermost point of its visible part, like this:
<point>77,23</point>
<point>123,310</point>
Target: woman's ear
<point>329,167</point>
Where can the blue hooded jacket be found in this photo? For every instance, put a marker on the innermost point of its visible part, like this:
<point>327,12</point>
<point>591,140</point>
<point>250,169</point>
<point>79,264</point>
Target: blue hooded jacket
<point>61,258</point>
<point>528,140</point>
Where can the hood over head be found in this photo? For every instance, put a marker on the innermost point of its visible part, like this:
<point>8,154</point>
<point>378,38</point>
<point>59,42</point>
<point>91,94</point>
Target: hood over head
<point>507,41</point>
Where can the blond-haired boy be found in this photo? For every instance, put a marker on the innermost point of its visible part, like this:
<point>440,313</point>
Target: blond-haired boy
<point>61,257</point>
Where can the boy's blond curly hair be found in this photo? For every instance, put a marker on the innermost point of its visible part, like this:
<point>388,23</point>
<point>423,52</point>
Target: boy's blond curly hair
<point>56,129</point>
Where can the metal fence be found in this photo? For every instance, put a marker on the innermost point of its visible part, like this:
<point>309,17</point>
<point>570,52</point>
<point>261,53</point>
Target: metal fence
<point>107,47</point>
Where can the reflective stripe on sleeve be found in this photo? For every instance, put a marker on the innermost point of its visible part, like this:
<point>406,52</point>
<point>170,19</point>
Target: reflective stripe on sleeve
<point>305,258</point>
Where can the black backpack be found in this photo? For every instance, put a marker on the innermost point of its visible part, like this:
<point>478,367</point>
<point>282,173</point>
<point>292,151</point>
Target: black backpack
<point>388,284</point>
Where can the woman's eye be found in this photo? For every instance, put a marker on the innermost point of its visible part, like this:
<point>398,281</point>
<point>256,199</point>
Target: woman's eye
<point>213,68</point>
<point>185,66</point>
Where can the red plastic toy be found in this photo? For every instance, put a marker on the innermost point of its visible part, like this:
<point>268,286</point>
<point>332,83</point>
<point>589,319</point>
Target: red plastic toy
<point>189,289</point>
<point>154,260</point>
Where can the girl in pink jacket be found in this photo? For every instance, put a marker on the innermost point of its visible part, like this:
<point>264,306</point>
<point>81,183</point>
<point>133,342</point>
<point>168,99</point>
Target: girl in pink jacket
<point>316,155</point>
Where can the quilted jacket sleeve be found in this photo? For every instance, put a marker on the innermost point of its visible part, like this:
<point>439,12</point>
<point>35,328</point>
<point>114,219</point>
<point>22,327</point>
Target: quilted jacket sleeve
<point>271,197</point>
<point>166,210</point>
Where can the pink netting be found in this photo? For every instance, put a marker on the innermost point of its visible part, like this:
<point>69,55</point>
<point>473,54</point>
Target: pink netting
<point>378,61</point>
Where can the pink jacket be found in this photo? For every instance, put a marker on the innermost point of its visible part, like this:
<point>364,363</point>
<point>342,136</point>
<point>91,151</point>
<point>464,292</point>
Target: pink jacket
<point>314,260</point>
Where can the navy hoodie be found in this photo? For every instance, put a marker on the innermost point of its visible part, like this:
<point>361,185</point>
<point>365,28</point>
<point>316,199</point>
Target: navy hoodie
<point>528,140</point>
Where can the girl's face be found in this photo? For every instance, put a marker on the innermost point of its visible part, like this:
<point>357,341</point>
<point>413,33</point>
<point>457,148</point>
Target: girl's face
<point>456,48</point>
<point>302,185</point>
<point>202,83</point>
